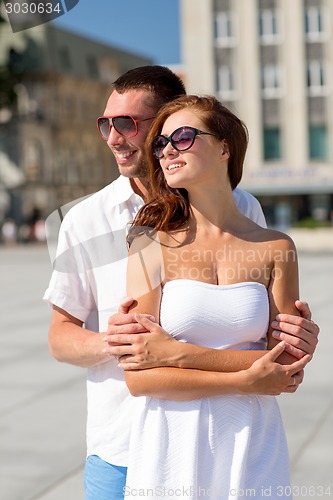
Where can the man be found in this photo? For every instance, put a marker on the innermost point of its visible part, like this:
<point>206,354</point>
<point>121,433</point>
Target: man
<point>89,281</point>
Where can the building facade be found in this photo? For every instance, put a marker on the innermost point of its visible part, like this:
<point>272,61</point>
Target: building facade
<point>271,61</point>
<point>50,135</point>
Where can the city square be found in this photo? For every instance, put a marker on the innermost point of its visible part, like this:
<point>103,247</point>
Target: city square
<point>43,402</point>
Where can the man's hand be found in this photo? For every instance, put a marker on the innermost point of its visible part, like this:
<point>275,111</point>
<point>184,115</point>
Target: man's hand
<point>127,339</point>
<point>122,324</point>
<point>268,377</point>
<point>299,332</point>
<point>138,342</point>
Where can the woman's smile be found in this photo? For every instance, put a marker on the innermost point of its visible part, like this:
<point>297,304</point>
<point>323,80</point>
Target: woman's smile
<point>172,167</point>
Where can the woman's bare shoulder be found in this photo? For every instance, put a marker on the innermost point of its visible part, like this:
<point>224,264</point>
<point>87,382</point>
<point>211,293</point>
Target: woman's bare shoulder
<point>270,236</point>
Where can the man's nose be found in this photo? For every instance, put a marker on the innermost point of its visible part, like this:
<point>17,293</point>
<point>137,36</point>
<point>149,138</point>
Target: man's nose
<point>115,138</point>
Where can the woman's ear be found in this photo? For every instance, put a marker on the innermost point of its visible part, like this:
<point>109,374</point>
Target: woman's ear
<point>225,150</point>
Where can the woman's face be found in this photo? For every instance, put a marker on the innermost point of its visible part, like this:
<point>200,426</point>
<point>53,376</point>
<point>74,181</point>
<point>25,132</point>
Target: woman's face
<point>199,164</point>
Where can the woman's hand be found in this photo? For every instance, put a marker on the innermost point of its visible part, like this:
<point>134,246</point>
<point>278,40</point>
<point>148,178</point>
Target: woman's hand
<point>139,343</point>
<point>266,376</point>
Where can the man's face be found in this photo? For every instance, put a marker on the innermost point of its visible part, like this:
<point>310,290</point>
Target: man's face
<point>129,152</point>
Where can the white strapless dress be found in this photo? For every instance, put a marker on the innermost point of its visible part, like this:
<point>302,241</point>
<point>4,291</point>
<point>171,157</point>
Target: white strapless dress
<point>225,447</point>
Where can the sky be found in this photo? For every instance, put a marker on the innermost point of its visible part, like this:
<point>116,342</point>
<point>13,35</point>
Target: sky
<point>146,27</point>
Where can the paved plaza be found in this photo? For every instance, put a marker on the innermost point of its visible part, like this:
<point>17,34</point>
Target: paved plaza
<point>43,405</point>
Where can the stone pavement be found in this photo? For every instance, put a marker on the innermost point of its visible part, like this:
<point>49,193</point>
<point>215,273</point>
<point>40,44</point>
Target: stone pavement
<point>42,409</point>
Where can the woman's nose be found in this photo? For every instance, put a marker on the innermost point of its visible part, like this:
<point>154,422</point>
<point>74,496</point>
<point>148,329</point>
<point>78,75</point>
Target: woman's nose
<point>169,150</point>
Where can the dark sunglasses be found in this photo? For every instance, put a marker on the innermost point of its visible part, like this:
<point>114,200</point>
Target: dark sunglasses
<point>125,125</point>
<point>181,140</point>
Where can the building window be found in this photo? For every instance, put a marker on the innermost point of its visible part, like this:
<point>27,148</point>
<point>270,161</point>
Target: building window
<point>271,81</point>
<point>226,83</point>
<point>318,142</point>
<point>92,66</point>
<point>225,29</point>
<point>317,78</point>
<point>316,24</point>
<point>272,144</point>
<point>65,58</point>
<point>269,27</point>
<point>108,69</point>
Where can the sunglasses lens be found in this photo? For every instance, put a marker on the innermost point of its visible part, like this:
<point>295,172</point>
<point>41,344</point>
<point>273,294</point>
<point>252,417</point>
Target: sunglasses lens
<point>104,127</point>
<point>183,138</point>
<point>158,145</point>
<point>125,125</point>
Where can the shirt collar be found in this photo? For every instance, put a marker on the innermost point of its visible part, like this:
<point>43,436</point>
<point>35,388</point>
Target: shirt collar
<point>122,190</point>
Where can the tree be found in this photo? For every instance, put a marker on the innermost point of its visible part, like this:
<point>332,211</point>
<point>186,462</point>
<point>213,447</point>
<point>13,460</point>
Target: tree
<point>10,72</point>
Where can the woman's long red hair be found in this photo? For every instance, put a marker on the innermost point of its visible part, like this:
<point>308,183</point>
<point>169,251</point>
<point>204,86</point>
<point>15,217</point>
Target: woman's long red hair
<point>168,209</point>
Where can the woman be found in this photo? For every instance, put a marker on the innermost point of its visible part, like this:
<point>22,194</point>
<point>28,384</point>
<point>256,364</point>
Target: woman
<point>215,436</point>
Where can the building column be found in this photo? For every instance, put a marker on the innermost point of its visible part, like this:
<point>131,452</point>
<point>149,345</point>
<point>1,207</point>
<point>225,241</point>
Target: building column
<point>248,67</point>
<point>197,26</point>
<point>294,101</point>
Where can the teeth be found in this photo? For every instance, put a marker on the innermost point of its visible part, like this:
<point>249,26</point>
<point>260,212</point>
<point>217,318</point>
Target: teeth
<point>124,155</point>
<point>175,165</point>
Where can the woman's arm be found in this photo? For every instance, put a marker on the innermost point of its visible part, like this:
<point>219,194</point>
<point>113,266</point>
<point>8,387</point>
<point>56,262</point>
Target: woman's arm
<point>265,376</point>
<point>143,344</point>
<point>283,290</point>
<point>144,278</point>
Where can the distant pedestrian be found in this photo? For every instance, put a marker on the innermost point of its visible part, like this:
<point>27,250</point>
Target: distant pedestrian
<point>39,231</point>
<point>9,232</point>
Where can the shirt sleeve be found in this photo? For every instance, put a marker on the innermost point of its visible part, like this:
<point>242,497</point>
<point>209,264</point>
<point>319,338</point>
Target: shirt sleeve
<point>70,286</point>
<point>249,206</point>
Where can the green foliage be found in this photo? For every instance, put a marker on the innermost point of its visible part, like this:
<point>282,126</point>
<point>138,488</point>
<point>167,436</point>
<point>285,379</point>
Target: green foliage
<point>2,19</point>
<point>9,76</point>
<point>310,223</point>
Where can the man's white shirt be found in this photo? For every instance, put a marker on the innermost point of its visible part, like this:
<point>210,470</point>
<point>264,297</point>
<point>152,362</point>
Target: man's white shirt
<point>89,281</point>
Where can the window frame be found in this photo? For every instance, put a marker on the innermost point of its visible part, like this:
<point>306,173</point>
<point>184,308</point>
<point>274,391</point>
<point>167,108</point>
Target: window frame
<point>318,77</point>
<point>278,146</point>
<point>228,35</point>
<point>319,15</point>
<point>272,73</point>
<point>269,18</point>
<point>227,74</point>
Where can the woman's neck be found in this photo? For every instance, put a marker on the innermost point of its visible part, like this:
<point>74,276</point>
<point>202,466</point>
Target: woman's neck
<point>214,209</point>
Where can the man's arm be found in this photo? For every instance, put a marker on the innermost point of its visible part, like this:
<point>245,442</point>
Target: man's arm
<point>70,343</point>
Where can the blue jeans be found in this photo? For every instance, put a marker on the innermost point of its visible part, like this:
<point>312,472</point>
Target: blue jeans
<point>103,481</point>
